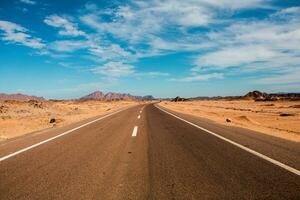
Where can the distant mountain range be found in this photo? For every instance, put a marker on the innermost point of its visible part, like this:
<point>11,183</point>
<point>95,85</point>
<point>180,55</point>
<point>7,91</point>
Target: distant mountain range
<point>97,95</point>
<point>254,95</point>
<point>112,96</point>
<point>19,97</point>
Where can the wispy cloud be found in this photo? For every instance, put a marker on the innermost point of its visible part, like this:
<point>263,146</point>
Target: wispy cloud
<point>30,2</point>
<point>67,27</point>
<point>68,45</point>
<point>110,52</point>
<point>288,11</point>
<point>151,74</point>
<point>15,33</point>
<point>199,77</point>
<point>268,45</point>
<point>146,17</point>
<point>114,69</point>
<point>282,78</point>
<point>236,56</point>
<point>115,38</point>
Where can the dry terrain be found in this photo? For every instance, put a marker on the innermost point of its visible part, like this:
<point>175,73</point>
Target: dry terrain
<point>20,117</point>
<point>277,118</point>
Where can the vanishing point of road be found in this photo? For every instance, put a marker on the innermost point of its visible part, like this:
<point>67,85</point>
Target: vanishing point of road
<point>148,152</point>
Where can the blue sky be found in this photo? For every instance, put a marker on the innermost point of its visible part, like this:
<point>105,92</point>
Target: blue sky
<point>66,49</point>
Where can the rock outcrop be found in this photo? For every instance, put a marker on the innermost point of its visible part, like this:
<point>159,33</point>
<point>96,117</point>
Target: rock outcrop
<point>262,96</point>
<point>176,99</point>
<point>256,95</point>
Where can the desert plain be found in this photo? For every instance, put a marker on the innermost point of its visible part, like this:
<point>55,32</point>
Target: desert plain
<point>277,118</point>
<point>22,117</point>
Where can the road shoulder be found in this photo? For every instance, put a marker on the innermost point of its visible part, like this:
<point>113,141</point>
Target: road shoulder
<point>285,151</point>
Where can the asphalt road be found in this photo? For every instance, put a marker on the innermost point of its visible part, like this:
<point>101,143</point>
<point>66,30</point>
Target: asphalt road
<point>145,153</point>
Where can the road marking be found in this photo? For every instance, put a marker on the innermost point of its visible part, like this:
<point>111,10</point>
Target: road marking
<point>140,111</point>
<point>271,160</point>
<point>60,135</point>
<point>134,132</point>
<point>139,116</point>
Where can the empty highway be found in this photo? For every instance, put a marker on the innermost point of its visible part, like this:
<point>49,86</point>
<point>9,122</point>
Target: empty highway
<point>144,152</point>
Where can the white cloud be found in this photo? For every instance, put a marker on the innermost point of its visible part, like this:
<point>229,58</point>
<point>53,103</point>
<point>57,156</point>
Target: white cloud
<point>191,43</point>
<point>200,77</point>
<point>17,34</point>
<point>95,49</point>
<point>114,69</point>
<point>150,28</point>
<point>68,45</point>
<point>279,35</point>
<point>140,21</point>
<point>139,28</point>
<point>288,11</point>
<point>236,4</point>
<point>236,56</point>
<point>111,52</point>
<point>151,74</point>
<point>162,27</point>
<point>11,27</point>
<point>286,78</point>
<point>55,55</point>
<point>30,2</point>
<point>256,45</point>
<point>67,27</point>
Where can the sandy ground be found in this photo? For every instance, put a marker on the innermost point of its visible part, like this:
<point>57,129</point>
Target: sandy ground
<point>264,117</point>
<point>19,118</point>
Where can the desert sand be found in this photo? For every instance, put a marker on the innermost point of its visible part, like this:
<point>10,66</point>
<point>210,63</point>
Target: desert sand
<point>18,118</point>
<point>276,118</point>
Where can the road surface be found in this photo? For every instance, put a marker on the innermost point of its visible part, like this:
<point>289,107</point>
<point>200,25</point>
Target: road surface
<point>145,153</point>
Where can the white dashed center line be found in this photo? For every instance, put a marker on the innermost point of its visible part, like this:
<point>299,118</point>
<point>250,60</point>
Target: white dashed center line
<point>139,116</point>
<point>134,132</point>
